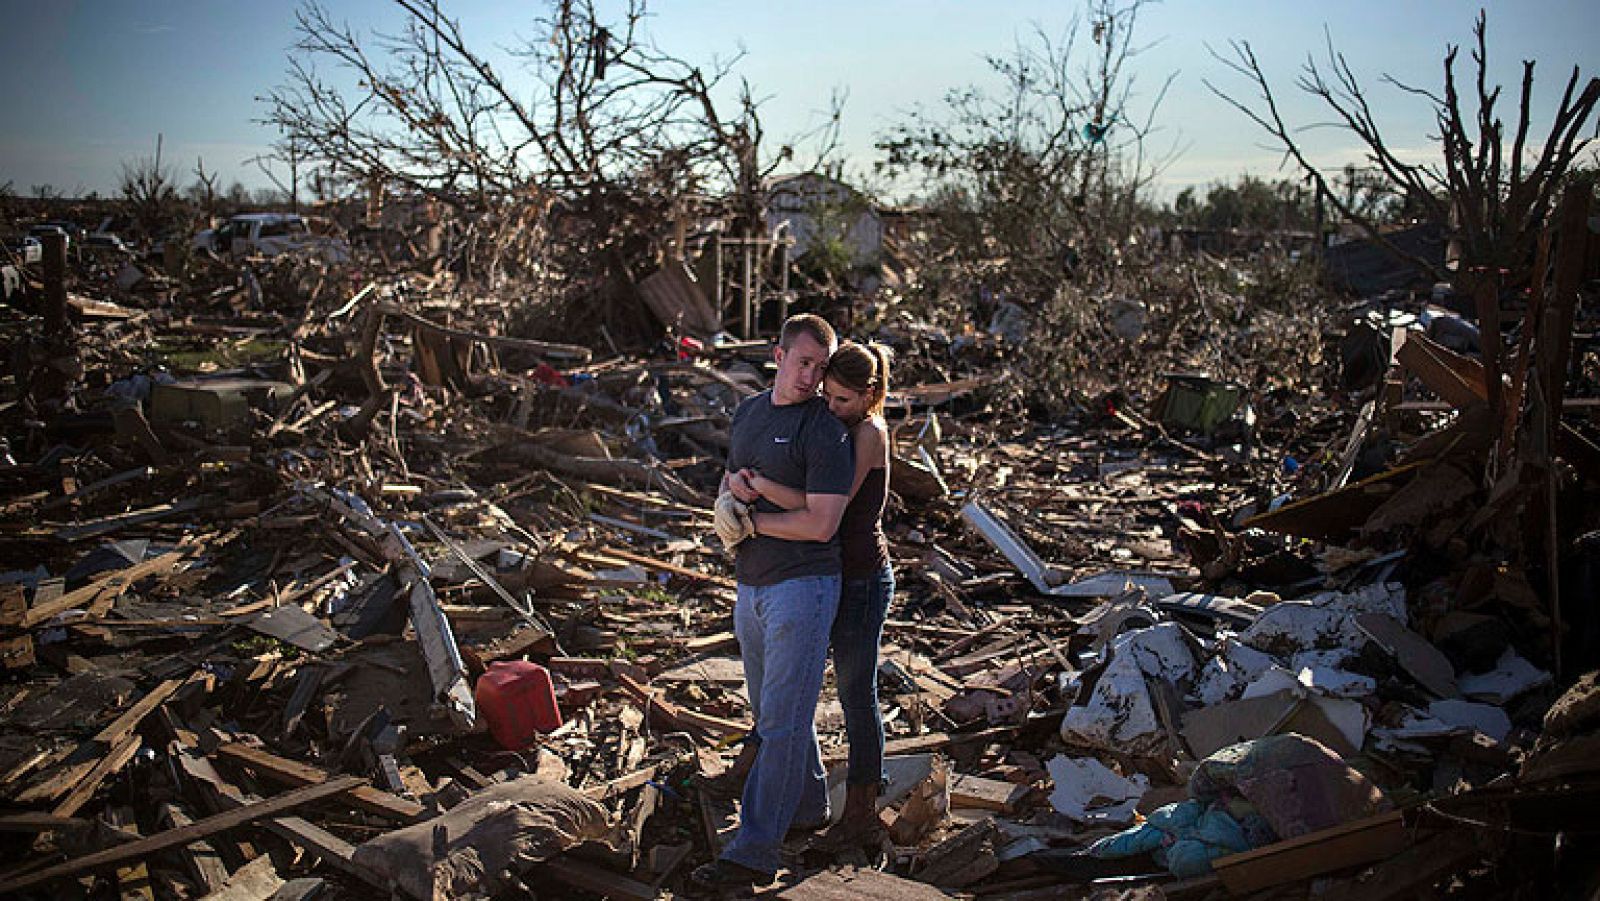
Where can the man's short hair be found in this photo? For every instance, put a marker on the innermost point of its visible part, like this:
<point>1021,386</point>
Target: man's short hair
<point>808,324</point>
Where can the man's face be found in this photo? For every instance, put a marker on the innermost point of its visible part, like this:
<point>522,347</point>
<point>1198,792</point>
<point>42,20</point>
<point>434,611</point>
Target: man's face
<point>799,369</point>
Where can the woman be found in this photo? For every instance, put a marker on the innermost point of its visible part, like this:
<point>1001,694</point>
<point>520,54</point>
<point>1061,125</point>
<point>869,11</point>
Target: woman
<point>855,385</point>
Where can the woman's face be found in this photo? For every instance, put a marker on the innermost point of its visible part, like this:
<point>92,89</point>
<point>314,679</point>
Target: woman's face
<point>849,405</point>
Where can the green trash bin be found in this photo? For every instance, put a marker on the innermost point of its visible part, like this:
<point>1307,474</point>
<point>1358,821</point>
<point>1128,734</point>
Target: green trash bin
<point>1197,403</point>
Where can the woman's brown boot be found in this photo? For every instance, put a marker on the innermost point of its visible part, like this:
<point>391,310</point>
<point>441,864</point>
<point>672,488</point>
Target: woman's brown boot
<point>858,826</point>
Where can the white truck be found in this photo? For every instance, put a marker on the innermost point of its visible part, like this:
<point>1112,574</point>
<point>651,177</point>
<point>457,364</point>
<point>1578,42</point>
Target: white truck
<point>269,234</point>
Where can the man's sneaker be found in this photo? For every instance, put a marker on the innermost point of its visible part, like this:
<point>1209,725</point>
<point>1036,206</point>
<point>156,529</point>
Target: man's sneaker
<point>725,874</point>
<point>797,829</point>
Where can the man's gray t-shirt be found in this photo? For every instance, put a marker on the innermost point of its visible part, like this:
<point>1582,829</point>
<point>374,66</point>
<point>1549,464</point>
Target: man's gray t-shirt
<point>805,448</point>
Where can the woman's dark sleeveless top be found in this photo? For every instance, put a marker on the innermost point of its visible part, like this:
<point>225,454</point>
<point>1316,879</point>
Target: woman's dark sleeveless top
<point>861,542</point>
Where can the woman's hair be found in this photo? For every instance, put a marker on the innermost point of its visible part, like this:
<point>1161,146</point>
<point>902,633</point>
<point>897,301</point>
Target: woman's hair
<point>863,368</point>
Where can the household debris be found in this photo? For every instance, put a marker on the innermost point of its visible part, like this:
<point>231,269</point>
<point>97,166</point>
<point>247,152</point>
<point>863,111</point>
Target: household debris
<point>276,528</point>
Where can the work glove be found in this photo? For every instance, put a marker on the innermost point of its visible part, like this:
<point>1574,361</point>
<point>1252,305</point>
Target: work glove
<point>732,520</point>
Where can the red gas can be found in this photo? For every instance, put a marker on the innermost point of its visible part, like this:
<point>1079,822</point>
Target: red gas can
<point>518,701</point>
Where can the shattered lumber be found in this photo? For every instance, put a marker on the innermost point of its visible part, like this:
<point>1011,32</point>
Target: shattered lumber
<point>183,835</point>
<point>295,774</point>
<point>681,717</point>
<point>1100,614</point>
<point>566,353</point>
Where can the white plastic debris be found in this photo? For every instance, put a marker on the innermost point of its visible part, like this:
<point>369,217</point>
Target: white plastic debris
<point>1295,626</point>
<point>1161,651</point>
<point>1335,682</point>
<point>1388,598</point>
<point>1451,716</point>
<point>1511,677</point>
<point>1088,791</point>
<point>1325,621</point>
<point>1351,718</point>
<point>1224,676</point>
<point>1119,714</point>
<point>1467,715</point>
<point>1273,680</point>
<point>1416,725</point>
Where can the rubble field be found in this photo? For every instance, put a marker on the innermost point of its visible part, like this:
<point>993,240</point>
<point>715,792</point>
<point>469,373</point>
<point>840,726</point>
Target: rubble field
<point>269,523</point>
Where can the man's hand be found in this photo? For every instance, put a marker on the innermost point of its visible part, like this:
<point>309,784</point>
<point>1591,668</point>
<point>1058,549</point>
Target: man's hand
<point>732,519</point>
<point>742,488</point>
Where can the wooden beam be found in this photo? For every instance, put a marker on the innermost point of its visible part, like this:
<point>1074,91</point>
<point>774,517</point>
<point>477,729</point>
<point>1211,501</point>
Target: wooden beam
<point>630,781</point>
<point>294,773</point>
<point>97,527</point>
<point>673,568</point>
<point>1455,378</point>
<point>682,716</point>
<point>116,758</point>
<point>1555,333</point>
<point>1409,873</point>
<point>331,849</point>
<point>1357,842</point>
<point>986,794</point>
<point>117,582</point>
<point>1335,515</point>
<point>603,882</point>
<point>933,741</point>
<point>569,352</point>
<point>40,822</point>
<point>173,838</point>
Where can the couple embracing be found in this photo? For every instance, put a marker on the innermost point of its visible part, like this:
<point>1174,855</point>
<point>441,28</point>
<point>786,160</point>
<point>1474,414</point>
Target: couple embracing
<point>802,503</point>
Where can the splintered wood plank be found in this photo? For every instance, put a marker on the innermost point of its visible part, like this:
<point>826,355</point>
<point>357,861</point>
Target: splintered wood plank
<point>98,527</point>
<point>133,716</point>
<point>673,568</point>
<point>113,736</point>
<point>603,882</point>
<point>1410,873</point>
<point>1459,380</point>
<point>628,782</point>
<point>329,848</point>
<point>1333,515</point>
<point>853,884</point>
<point>255,881</point>
<point>39,822</point>
<point>115,583</point>
<point>1357,842</point>
<point>199,858</point>
<point>682,716</point>
<point>932,741</point>
<point>295,773</point>
<point>41,758</point>
<point>115,760</point>
<point>184,835</point>
<point>713,642</point>
<point>133,881</point>
<point>986,794</point>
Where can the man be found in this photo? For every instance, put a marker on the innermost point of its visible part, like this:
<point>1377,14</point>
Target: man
<point>788,572</point>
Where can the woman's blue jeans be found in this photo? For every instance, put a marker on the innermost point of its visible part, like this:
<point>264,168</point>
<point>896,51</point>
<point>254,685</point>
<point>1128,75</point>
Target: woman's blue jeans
<point>856,636</point>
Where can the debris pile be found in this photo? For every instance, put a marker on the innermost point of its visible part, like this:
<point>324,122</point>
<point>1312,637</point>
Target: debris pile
<point>314,577</point>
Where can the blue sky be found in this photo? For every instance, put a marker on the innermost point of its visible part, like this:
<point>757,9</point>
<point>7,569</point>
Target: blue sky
<point>91,84</point>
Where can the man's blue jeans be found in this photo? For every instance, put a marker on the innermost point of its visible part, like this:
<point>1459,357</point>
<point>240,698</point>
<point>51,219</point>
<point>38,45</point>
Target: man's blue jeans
<point>783,641</point>
<point>857,634</point>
